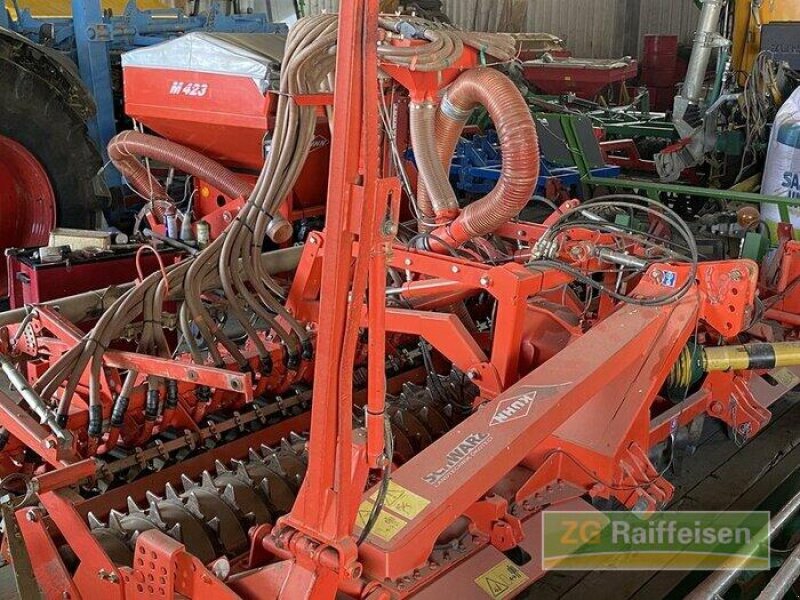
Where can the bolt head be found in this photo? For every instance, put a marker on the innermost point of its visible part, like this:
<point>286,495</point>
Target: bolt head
<point>389,228</point>
<point>407,262</point>
<point>485,281</point>
<point>31,515</point>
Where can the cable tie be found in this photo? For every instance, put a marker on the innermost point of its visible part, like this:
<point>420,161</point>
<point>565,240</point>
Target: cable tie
<point>244,224</point>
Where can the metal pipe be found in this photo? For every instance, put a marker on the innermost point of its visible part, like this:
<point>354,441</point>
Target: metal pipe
<point>751,356</point>
<point>721,581</point>
<point>783,580</point>
<point>34,401</point>
<point>704,43</point>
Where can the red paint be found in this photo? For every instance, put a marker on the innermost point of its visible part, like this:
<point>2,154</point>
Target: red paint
<point>27,201</point>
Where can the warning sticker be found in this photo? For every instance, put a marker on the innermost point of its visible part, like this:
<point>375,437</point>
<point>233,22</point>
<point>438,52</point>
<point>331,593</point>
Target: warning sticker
<point>386,527</point>
<point>402,501</point>
<point>785,377</point>
<point>501,580</point>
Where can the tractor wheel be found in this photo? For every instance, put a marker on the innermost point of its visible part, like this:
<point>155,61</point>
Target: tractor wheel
<point>48,163</point>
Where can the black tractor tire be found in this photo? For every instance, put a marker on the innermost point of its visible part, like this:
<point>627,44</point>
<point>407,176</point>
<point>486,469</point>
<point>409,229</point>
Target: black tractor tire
<point>39,119</point>
<point>428,9</point>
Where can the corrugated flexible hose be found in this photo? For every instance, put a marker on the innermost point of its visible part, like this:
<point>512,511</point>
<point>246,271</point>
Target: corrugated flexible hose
<point>126,149</point>
<point>520,148</point>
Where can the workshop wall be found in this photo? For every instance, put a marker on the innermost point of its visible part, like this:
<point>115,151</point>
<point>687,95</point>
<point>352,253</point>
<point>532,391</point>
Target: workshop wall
<point>591,28</point>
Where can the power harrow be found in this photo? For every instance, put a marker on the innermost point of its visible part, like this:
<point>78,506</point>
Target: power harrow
<point>387,410</point>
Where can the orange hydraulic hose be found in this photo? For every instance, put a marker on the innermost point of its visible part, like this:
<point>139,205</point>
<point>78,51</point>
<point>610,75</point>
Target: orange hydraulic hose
<point>520,148</point>
<point>125,149</point>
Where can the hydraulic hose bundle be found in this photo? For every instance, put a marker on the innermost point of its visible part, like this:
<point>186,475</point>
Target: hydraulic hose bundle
<point>232,261</point>
<point>231,265</point>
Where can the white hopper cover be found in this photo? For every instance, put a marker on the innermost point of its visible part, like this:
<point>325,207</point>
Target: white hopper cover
<point>254,55</point>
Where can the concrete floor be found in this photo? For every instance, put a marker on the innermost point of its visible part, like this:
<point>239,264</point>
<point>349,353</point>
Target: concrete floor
<point>720,476</point>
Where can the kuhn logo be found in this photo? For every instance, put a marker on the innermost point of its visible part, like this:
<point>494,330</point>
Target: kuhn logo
<point>179,88</point>
<point>319,142</point>
<point>457,458</point>
<point>513,408</point>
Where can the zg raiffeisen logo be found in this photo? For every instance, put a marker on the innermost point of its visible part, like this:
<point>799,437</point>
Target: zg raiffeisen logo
<point>679,541</point>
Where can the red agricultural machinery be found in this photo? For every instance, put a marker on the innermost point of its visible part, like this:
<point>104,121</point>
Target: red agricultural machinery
<point>388,410</point>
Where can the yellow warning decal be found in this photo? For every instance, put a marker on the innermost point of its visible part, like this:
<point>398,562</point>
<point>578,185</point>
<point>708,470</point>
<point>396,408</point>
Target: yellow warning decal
<point>785,377</point>
<point>501,580</point>
<point>386,527</point>
<point>402,501</point>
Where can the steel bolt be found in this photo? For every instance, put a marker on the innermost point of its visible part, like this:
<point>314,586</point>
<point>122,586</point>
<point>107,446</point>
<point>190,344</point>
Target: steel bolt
<point>389,228</point>
<point>736,275</point>
<point>50,444</point>
<point>312,240</point>
<point>31,515</point>
<point>485,281</point>
<point>454,269</point>
<point>110,577</point>
<point>407,262</point>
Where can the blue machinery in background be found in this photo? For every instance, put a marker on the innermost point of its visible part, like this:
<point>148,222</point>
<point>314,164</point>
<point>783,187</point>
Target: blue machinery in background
<point>92,36</point>
<point>477,165</point>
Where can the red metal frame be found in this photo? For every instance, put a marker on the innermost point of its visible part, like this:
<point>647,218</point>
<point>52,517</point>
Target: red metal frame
<point>550,424</point>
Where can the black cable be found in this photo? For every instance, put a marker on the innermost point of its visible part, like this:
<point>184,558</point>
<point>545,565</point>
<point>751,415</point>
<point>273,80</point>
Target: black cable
<point>386,477</point>
<point>664,213</point>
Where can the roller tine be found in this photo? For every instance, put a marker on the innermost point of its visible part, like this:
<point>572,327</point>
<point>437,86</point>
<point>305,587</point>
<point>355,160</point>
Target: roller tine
<point>267,450</point>
<point>132,506</point>
<point>229,495</point>
<point>242,474</point>
<point>296,438</point>
<point>94,522</point>
<point>115,520</point>
<point>286,446</point>
<point>154,516</point>
<point>254,456</point>
<point>208,481</point>
<point>170,492</point>
<point>275,465</point>
<point>220,467</point>
<point>187,483</point>
<point>151,498</point>
<point>213,524</point>
<point>193,505</point>
<point>264,487</point>
<point>175,532</point>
